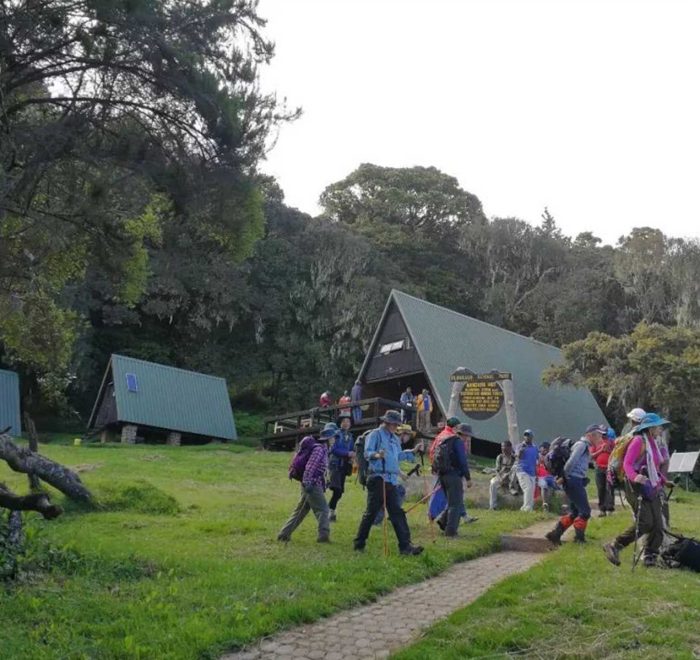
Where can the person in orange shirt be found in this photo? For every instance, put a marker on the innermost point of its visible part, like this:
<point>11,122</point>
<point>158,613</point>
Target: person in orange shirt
<point>424,406</point>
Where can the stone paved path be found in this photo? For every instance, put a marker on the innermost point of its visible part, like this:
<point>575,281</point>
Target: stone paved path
<point>374,630</point>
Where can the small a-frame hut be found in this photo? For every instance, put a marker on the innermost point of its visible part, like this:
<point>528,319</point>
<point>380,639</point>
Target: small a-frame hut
<point>145,399</point>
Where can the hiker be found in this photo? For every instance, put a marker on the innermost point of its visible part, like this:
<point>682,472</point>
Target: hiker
<point>405,434</point>
<point>407,399</point>
<point>344,401</point>
<point>450,463</point>
<point>424,406</point>
<point>356,395</point>
<point>575,481</point>
<point>383,453</point>
<point>644,484</point>
<point>314,464</point>
<point>546,482</point>
<point>504,464</point>
<point>340,462</point>
<point>325,400</point>
<point>601,457</point>
<point>525,469</point>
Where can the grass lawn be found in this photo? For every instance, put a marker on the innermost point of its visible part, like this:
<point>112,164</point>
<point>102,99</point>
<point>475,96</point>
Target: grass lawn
<point>577,605</point>
<point>182,560</point>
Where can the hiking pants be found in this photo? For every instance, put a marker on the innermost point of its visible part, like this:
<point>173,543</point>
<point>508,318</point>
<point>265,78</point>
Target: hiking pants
<point>454,489</point>
<point>375,503</point>
<point>314,501</point>
<point>527,483</point>
<point>606,497</point>
<point>575,489</point>
<point>356,414</point>
<point>650,522</point>
<point>424,423</point>
<point>337,484</point>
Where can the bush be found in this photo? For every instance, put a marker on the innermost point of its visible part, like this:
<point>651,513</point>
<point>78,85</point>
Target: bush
<point>141,496</point>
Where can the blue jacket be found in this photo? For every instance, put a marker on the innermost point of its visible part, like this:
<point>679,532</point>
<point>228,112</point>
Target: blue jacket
<point>527,459</point>
<point>389,467</point>
<point>577,465</point>
<point>341,448</point>
<point>460,464</point>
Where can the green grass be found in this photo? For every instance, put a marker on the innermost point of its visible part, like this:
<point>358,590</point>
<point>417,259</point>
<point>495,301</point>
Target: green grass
<point>575,604</point>
<point>181,560</point>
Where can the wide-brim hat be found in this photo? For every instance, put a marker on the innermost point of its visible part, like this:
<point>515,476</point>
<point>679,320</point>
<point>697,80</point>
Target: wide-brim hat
<point>405,428</point>
<point>391,417</point>
<point>650,420</point>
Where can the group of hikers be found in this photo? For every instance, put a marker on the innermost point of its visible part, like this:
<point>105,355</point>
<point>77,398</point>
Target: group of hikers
<point>635,463</point>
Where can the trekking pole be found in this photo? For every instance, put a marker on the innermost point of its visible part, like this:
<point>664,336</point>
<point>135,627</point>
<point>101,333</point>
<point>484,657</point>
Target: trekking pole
<point>384,529</point>
<point>635,559</point>
<point>426,488</point>
<point>422,499</point>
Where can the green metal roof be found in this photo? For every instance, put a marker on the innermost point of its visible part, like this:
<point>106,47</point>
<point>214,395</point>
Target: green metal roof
<point>170,398</point>
<point>9,402</point>
<point>446,340</point>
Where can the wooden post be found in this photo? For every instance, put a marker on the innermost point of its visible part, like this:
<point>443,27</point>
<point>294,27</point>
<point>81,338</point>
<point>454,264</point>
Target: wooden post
<point>454,409</point>
<point>511,415</point>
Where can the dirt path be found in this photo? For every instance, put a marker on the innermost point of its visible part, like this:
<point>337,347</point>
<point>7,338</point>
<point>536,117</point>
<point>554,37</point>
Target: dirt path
<point>375,630</point>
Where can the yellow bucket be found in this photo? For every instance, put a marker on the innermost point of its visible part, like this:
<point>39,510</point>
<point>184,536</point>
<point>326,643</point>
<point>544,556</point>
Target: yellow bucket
<point>77,442</point>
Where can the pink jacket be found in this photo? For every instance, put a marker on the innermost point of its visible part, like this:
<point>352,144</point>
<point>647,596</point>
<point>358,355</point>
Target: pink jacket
<point>636,458</point>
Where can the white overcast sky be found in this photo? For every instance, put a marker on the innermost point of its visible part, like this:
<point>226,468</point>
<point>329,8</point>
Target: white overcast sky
<point>590,108</point>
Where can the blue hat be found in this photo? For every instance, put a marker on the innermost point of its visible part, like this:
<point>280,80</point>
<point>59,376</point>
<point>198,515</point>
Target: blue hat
<point>391,417</point>
<point>610,433</point>
<point>528,432</point>
<point>650,420</point>
<point>329,430</point>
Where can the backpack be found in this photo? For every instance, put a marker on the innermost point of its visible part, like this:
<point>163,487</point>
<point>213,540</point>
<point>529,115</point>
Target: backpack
<point>360,460</point>
<point>683,552</point>
<point>559,453</point>
<point>442,458</point>
<point>616,472</point>
<point>298,463</point>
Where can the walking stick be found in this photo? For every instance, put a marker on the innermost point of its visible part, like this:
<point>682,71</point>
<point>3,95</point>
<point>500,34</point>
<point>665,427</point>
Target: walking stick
<point>386,539</point>
<point>635,559</point>
<point>426,488</point>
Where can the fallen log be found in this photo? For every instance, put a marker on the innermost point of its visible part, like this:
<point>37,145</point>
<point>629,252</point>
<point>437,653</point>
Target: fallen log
<point>60,477</point>
<point>33,502</point>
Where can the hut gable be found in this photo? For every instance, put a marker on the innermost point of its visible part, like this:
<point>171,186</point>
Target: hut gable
<point>162,397</point>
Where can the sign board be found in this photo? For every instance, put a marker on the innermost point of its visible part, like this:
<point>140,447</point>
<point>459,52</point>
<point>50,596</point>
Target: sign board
<point>490,376</point>
<point>481,396</point>
<point>683,461</point>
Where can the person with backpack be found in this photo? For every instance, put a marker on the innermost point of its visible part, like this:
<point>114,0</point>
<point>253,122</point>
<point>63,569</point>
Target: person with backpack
<point>575,479</point>
<point>601,456</point>
<point>451,466</point>
<point>546,482</point>
<point>340,461</point>
<point>644,483</point>
<point>309,466</point>
<point>448,431</point>
<point>384,454</point>
<point>407,399</point>
<point>526,469</point>
<point>504,464</point>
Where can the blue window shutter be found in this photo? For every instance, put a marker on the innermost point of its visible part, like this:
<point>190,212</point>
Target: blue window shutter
<point>131,383</point>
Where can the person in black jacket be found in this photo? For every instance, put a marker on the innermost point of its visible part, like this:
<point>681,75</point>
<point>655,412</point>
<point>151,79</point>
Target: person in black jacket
<point>451,480</point>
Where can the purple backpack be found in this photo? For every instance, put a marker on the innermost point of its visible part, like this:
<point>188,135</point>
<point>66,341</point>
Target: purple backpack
<point>300,458</point>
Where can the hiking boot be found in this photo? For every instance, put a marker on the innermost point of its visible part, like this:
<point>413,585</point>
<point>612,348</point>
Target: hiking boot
<point>358,548</point>
<point>332,517</point>
<point>323,538</point>
<point>545,507</point>
<point>602,514</point>
<point>649,561</point>
<point>579,535</point>
<point>441,523</point>
<point>470,519</point>
<point>554,537</point>
<point>283,539</point>
<point>612,553</point>
<point>411,550</point>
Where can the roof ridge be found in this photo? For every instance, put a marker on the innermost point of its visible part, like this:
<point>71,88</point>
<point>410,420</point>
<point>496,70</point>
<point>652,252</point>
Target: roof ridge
<point>167,366</point>
<point>472,318</point>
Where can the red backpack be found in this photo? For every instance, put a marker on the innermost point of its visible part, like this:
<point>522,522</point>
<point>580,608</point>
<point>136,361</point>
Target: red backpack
<point>298,463</point>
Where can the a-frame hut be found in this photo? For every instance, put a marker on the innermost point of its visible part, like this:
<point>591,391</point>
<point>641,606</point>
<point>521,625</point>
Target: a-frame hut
<point>419,344</point>
<point>144,399</point>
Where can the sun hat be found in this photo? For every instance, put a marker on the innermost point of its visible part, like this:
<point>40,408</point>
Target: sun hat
<point>464,429</point>
<point>650,420</point>
<point>391,417</point>
<point>636,414</point>
<point>329,430</point>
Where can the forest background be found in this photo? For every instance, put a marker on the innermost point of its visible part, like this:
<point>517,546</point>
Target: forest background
<point>134,219</point>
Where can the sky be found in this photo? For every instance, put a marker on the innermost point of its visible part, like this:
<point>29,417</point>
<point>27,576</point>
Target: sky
<point>591,109</point>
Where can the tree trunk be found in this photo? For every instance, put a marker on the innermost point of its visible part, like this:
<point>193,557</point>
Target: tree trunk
<point>30,429</point>
<point>60,477</point>
<point>34,502</point>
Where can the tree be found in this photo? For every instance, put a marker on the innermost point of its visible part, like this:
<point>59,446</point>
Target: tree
<point>655,367</point>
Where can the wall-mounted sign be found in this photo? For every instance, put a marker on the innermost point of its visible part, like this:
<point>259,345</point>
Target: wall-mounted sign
<point>482,395</point>
<point>463,377</point>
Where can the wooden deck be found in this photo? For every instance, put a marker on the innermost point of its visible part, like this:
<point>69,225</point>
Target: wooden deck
<point>282,432</point>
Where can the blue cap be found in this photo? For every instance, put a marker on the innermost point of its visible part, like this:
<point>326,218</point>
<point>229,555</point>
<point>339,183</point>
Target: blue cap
<point>528,432</point>
<point>596,428</point>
